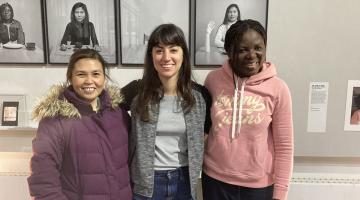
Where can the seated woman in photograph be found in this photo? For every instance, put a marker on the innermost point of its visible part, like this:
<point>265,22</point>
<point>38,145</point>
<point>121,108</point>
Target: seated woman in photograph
<point>80,31</point>
<point>80,150</point>
<point>232,15</point>
<point>10,29</point>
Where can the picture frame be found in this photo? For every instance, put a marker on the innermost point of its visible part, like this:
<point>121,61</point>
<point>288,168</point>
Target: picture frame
<point>14,106</point>
<point>352,112</point>
<point>98,30</point>
<point>26,45</point>
<point>139,18</point>
<point>210,16</point>
<point>10,113</point>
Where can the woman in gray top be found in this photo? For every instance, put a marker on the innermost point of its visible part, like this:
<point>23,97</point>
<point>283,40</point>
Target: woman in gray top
<point>168,117</point>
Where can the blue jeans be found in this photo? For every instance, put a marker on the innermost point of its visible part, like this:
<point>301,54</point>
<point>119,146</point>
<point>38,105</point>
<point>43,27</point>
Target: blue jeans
<point>170,185</point>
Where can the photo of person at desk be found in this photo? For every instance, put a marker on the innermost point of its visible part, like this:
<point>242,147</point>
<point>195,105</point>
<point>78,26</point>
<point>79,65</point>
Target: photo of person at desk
<point>10,29</point>
<point>80,31</point>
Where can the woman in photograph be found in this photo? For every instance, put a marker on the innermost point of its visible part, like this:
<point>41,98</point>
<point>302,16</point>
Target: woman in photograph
<point>81,147</point>
<point>80,31</point>
<point>168,113</point>
<point>10,29</point>
<point>249,150</point>
<point>232,15</point>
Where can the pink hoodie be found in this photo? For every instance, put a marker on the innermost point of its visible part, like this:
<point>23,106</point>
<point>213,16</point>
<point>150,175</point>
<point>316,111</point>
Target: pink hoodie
<point>257,152</point>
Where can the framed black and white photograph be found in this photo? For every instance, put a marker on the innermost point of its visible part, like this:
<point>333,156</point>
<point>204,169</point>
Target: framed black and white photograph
<point>352,112</point>
<point>22,38</point>
<point>139,18</point>
<point>213,18</point>
<point>72,25</point>
<point>10,113</point>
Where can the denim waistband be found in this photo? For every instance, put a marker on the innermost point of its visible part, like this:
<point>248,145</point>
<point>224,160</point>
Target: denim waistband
<point>181,171</point>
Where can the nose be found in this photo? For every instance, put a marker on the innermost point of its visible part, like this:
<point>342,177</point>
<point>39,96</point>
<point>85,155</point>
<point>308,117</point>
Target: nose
<point>251,54</point>
<point>88,79</point>
<point>166,55</point>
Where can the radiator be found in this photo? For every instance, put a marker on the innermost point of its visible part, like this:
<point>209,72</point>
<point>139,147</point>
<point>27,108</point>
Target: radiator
<point>324,186</point>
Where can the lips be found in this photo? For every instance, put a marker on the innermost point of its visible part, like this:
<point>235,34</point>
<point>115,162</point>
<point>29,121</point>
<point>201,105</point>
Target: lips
<point>251,63</point>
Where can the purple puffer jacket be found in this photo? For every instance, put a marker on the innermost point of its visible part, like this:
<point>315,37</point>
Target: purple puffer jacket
<point>80,154</point>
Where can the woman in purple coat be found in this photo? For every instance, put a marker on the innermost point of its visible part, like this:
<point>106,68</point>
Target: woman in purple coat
<point>80,151</point>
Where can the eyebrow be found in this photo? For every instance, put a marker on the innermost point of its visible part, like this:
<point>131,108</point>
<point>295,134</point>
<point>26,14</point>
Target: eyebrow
<point>82,71</point>
<point>171,46</point>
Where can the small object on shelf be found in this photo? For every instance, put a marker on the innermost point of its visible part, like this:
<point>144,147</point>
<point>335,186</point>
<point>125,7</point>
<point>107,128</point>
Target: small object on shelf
<point>10,113</point>
<point>13,111</point>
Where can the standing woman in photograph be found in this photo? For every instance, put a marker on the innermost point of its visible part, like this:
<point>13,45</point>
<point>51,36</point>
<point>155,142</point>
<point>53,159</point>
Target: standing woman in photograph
<point>80,31</point>
<point>249,150</point>
<point>168,115</point>
<point>81,147</point>
<point>232,15</point>
<point>10,29</point>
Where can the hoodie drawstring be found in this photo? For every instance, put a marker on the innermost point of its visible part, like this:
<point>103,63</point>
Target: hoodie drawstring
<point>233,124</point>
<point>235,130</point>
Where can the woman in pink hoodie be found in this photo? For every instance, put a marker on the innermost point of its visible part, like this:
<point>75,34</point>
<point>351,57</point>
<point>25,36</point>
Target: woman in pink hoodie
<point>249,150</point>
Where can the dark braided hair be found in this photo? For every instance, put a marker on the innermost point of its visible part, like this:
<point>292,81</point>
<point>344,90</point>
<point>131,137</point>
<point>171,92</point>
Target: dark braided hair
<point>236,31</point>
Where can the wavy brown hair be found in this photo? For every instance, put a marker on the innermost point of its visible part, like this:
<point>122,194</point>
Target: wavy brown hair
<point>151,90</point>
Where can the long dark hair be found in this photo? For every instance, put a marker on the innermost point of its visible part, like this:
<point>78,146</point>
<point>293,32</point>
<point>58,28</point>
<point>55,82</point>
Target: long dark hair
<point>151,89</point>
<point>226,19</point>
<point>85,22</point>
<point>79,5</point>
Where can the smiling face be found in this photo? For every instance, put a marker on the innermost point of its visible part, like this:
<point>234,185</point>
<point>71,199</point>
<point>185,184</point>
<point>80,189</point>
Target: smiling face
<point>79,14</point>
<point>167,61</point>
<point>88,79</point>
<point>232,14</point>
<point>250,55</point>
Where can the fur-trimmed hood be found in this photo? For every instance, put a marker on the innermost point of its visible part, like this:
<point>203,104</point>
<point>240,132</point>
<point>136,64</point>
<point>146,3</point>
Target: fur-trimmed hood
<point>55,104</point>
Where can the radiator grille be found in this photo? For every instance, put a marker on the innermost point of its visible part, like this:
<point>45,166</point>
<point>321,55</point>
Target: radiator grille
<point>312,178</point>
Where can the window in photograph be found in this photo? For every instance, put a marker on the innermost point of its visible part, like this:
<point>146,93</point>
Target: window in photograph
<point>139,18</point>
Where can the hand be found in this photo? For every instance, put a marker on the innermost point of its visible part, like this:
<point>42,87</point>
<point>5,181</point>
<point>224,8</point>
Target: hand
<point>63,47</point>
<point>97,48</point>
<point>210,27</point>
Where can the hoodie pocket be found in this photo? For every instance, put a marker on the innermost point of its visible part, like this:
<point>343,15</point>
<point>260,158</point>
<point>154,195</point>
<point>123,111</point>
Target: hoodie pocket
<point>242,157</point>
